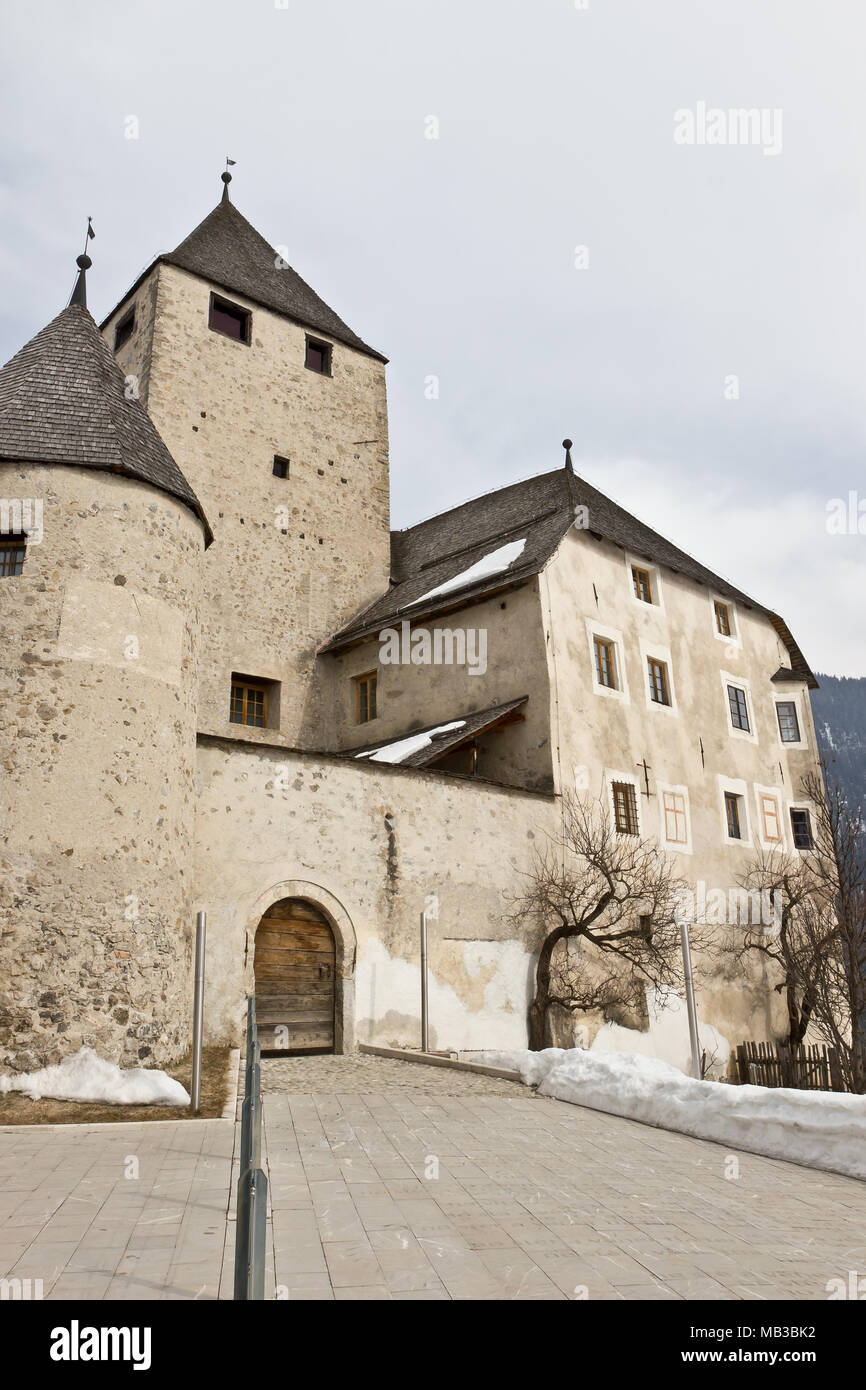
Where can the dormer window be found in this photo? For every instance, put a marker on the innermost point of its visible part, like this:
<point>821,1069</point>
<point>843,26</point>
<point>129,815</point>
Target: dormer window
<point>318,357</point>
<point>229,319</point>
<point>12,552</point>
<point>125,329</point>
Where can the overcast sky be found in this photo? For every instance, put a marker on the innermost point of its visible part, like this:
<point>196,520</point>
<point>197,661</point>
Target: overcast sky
<point>456,256</point>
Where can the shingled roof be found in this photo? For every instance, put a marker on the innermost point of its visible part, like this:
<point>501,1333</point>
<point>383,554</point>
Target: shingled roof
<point>539,511</point>
<point>425,746</point>
<point>226,250</point>
<point>63,401</point>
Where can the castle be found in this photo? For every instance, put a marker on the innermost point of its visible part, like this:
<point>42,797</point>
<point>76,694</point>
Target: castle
<point>225,684</point>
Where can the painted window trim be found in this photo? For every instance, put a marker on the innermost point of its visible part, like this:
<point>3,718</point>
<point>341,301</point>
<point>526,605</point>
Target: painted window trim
<point>611,776</point>
<point>801,806</point>
<point>774,793</point>
<point>675,846</point>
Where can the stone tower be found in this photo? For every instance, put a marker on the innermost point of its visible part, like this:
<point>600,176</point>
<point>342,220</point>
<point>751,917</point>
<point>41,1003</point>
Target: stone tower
<point>276,412</point>
<point>102,545</point>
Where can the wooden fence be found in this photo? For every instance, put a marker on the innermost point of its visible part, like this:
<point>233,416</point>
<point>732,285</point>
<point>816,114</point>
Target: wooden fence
<point>812,1068</point>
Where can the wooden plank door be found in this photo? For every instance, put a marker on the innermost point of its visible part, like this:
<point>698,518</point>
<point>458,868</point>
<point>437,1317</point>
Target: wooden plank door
<point>294,965</point>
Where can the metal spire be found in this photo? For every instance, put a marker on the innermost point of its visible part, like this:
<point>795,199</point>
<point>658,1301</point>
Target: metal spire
<point>79,293</point>
<point>227,178</point>
<point>566,444</point>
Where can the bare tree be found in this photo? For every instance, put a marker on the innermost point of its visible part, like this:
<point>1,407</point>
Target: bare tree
<point>819,948</point>
<point>613,893</point>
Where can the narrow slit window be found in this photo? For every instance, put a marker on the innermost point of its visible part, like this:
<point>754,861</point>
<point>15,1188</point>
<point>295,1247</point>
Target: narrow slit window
<point>658,682</point>
<point>605,662</point>
<point>739,708</point>
<point>365,698</point>
<point>643,588</point>
<point>125,329</point>
<point>723,619</point>
<point>625,808</point>
<point>281,467</point>
<point>732,816</point>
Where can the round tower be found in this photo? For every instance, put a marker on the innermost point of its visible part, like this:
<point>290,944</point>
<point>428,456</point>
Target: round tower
<point>101,542</point>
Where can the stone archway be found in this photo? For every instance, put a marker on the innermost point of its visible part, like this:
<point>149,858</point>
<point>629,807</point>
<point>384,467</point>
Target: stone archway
<point>345,948</point>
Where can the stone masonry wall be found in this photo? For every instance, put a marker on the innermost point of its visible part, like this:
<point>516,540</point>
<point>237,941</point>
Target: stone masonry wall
<point>97,742</point>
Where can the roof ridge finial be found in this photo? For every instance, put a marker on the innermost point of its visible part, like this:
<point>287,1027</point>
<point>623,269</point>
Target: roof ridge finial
<point>566,444</point>
<point>227,178</point>
<point>79,293</point>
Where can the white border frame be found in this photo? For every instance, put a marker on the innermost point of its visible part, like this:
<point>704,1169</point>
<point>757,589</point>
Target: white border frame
<point>658,603</point>
<point>736,639</point>
<point>657,652</point>
<point>801,805</point>
<point>795,698</point>
<point>741,683</point>
<point>611,776</point>
<point>594,628</point>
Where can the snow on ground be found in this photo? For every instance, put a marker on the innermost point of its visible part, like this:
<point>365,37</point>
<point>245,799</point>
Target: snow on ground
<point>405,747</point>
<point>493,563</point>
<point>667,1037</point>
<point>821,1129</point>
<point>87,1076</point>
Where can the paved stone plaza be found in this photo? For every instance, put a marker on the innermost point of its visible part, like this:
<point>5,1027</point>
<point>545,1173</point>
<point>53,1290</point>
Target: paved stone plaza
<point>393,1180</point>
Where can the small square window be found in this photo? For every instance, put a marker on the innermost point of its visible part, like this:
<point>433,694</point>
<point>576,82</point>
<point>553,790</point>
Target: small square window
<point>605,662</point>
<point>624,808</point>
<point>125,329</point>
<point>318,356</point>
<point>739,708</point>
<point>365,698</point>
<point>642,584</point>
<point>229,319</point>
<point>12,552</point>
<point>801,829</point>
<point>723,618</point>
<point>732,816</point>
<point>658,681</point>
<point>281,467</point>
<point>249,705</point>
<point>789,725</point>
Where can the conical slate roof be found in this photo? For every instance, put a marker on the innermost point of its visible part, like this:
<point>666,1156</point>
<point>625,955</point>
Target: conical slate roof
<point>227,250</point>
<point>62,400</point>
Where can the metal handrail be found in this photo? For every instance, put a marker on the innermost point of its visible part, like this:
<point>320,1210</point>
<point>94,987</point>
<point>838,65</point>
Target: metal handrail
<point>252,1201</point>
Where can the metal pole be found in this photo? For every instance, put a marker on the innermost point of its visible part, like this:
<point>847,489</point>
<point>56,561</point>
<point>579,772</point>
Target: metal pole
<point>690,1001</point>
<point>198,1009</point>
<point>425,1040</point>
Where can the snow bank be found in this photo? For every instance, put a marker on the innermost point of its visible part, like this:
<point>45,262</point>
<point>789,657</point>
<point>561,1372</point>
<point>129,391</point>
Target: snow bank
<point>86,1076</point>
<point>821,1129</point>
<point>667,1038</point>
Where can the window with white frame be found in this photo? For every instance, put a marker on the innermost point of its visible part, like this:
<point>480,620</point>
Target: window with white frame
<point>771,819</point>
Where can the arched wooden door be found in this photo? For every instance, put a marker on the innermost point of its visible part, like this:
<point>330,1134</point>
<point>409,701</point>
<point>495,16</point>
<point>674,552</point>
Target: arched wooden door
<point>295,967</point>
